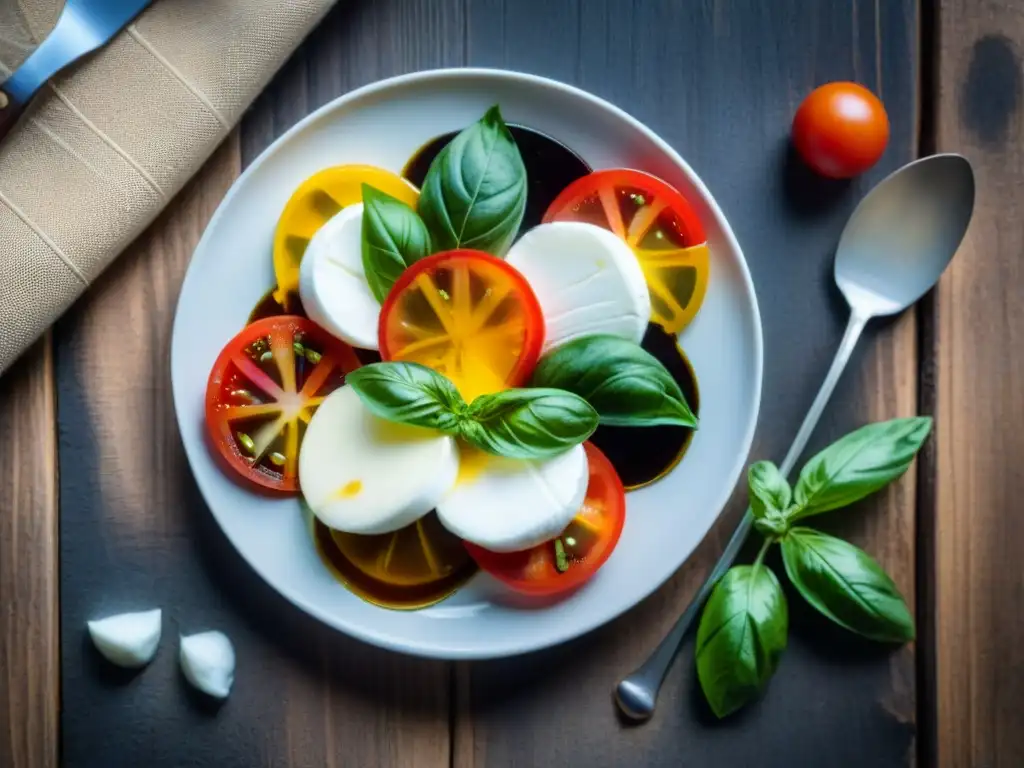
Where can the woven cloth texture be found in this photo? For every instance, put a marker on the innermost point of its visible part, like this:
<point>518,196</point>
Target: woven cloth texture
<point>109,142</point>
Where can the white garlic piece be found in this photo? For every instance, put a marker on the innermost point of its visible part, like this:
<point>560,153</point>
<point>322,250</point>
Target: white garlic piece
<point>128,639</point>
<point>208,662</point>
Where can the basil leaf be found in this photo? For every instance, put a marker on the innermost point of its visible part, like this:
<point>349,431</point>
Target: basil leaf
<point>858,465</point>
<point>408,393</point>
<point>528,423</point>
<point>394,238</point>
<point>846,585</point>
<point>474,194</point>
<point>741,637</point>
<point>769,491</point>
<point>625,384</point>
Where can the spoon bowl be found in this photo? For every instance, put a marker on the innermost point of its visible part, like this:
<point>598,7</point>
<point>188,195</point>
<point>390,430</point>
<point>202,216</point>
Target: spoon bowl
<point>903,234</point>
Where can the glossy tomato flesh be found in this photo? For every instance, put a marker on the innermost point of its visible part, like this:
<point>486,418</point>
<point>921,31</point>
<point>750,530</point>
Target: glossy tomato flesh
<point>841,130</point>
<point>588,541</point>
<point>467,315</point>
<point>264,388</point>
<point>661,227</point>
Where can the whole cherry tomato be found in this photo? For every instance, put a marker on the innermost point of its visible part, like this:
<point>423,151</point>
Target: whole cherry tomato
<point>841,129</point>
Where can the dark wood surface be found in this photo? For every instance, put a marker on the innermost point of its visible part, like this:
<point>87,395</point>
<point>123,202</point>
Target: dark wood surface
<point>720,81</point>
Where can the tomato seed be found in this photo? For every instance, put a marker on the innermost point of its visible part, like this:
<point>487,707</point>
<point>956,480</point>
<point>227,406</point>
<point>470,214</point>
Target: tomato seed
<point>246,442</point>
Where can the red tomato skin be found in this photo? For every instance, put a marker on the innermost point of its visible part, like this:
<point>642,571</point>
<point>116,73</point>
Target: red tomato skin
<point>610,178</point>
<point>841,130</point>
<point>508,567</point>
<point>226,453</point>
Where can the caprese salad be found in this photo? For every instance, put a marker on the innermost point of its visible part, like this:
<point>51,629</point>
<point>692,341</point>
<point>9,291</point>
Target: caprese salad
<point>445,351</point>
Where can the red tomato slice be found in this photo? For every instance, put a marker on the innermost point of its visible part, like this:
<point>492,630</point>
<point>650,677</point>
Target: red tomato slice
<point>659,225</point>
<point>263,390</point>
<point>465,314</point>
<point>587,542</point>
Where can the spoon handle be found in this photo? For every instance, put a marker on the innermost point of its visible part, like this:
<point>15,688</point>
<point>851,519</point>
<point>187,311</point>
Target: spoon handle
<point>637,694</point>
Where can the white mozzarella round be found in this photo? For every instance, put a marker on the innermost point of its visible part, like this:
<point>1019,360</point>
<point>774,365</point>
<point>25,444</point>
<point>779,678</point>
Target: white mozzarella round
<point>332,282</point>
<point>505,505</point>
<point>586,280</point>
<point>362,474</point>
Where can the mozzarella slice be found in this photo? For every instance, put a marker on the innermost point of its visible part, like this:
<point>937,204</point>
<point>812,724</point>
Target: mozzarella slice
<point>332,282</point>
<point>127,639</point>
<point>505,505</point>
<point>208,662</point>
<point>586,280</point>
<point>362,474</point>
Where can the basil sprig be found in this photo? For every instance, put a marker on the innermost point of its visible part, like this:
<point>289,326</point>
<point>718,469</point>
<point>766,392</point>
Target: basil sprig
<point>394,237</point>
<point>741,637</point>
<point>625,384</point>
<point>743,625</point>
<point>474,193</point>
<point>516,423</point>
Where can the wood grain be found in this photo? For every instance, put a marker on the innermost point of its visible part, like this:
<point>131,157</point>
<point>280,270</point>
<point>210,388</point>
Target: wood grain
<point>720,81</point>
<point>978,335</point>
<point>29,656</point>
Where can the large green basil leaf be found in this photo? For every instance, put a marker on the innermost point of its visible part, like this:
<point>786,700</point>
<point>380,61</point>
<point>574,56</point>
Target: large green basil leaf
<point>528,423</point>
<point>626,384</point>
<point>769,491</point>
<point>408,393</point>
<point>858,465</point>
<point>741,637</point>
<point>394,238</point>
<point>474,194</point>
<point>846,585</point>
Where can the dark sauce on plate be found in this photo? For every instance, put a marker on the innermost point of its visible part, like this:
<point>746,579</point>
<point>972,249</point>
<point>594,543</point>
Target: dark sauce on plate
<point>415,567</point>
<point>642,455</point>
<point>268,306</point>
<point>550,167</point>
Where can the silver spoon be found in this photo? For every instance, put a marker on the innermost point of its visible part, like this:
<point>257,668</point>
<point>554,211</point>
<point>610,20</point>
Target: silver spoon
<point>892,251</point>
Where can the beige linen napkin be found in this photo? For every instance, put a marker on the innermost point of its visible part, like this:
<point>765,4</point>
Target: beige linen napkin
<point>109,142</point>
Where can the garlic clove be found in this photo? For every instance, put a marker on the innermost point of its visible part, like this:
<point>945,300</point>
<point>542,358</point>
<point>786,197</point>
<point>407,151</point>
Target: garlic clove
<point>128,639</point>
<point>208,662</point>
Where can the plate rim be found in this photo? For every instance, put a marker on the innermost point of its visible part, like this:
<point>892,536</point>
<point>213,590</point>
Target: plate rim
<point>571,630</point>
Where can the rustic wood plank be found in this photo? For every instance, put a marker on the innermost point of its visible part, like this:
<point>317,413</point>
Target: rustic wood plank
<point>137,532</point>
<point>979,314</point>
<point>29,651</point>
<point>720,81</point>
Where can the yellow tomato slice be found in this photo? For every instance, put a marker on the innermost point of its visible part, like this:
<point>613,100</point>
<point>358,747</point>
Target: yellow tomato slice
<point>316,200</point>
<point>659,225</point>
<point>420,554</point>
<point>468,315</point>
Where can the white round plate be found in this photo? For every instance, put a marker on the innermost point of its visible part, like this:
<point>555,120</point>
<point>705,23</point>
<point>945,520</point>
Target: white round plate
<point>383,124</point>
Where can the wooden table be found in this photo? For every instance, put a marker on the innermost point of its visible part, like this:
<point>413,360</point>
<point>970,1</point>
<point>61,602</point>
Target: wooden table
<point>100,514</point>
